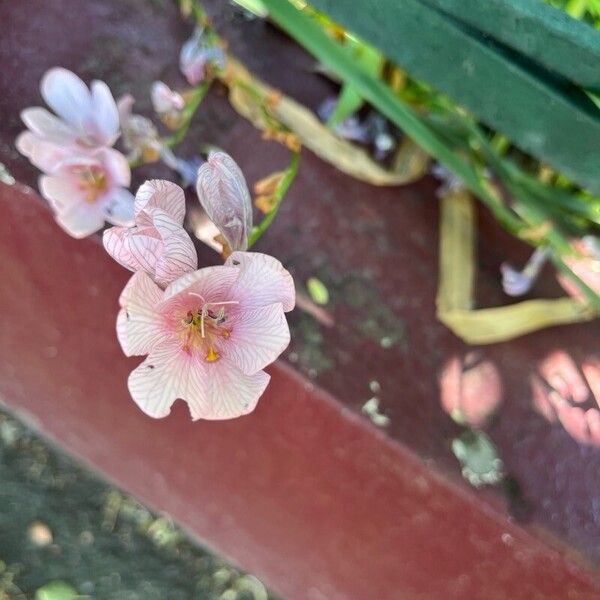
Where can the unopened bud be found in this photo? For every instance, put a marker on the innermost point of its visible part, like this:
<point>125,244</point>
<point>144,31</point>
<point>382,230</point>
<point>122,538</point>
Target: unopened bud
<point>224,195</point>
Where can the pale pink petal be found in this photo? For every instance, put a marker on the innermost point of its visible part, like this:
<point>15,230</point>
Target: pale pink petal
<point>541,398</point>
<point>138,324</point>
<point>116,164</point>
<point>118,207</point>
<point>46,156</point>
<point>262,281</point>
<point>593,422</point>
<point>257,338</point>
<point>591,372</point>
<point>81,220</point>
<point>145,251</point>
<point>164,99</point>
<point>178,254</point>
<point>158,193</point>
<point>214,283</point>
<point>574,421</point>
<point>561,372</point>
<point>68,96</point>
<point>43,123</point>
<point>116,243</point>
<point>159,380</point>
<point>61,192</point>
<point>230,393</point>
<point>106,116</point>
<point>25,143</point>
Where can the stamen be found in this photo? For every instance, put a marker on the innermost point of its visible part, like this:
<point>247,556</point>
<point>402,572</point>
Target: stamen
<point>212,355</point>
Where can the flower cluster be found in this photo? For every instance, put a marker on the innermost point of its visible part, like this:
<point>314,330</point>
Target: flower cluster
<point>208,333</point>
<point>85,180</point>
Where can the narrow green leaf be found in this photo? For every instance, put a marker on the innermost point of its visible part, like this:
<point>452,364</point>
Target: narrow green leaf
<point>540,112</point>
<point>349,101</point>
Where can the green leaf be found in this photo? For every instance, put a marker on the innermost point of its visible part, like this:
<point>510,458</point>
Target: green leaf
<point>349,101</point>
<point>532,215</point>
<point>56,590</point>
<point>332,55</point>
<point>543,33</point>
<point>256,7</point>
<point>539,111</point>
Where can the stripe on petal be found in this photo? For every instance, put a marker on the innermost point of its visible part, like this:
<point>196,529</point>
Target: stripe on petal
<point>214,283</point>
<point>159,381</point>
<point>158,193</point>
<point>231,394</point>
<point>138,325</point>
<point>258,337</point>
<point>262,281</point>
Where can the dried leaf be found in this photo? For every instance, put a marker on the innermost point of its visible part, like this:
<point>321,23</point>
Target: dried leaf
<point>265,203</point>
<point>267,185</point>
<point>410,162</point>
<point>455,290</point>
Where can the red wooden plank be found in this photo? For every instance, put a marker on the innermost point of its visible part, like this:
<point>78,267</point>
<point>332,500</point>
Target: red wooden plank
<point>302,492</point>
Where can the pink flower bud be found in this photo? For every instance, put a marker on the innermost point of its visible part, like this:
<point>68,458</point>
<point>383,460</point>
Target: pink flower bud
<point>224,195</point>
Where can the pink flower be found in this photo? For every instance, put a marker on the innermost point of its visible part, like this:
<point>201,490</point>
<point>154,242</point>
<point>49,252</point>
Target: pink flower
<point>85,189</point>
<point>224,195</point>
<point>197,54</point>
<point>471,389</point>
<point>207,336</point>
<point>87,118</point>
<point>561,393</point>
<point>167,103</point>
<point>586,265</point>
<point>158,244</point>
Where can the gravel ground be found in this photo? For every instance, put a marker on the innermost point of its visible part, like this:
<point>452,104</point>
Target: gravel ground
<point>65,534</point>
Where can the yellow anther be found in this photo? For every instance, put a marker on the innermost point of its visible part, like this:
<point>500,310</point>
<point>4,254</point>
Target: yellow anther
<point>211,355</point>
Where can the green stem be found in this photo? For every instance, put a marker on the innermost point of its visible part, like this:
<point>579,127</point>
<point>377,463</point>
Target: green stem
<point>279,195</point>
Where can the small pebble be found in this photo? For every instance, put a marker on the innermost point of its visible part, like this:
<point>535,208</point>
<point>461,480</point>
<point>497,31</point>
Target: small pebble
<point>39,533</point>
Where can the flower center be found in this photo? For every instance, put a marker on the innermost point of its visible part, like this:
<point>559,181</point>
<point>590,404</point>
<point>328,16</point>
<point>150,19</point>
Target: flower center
<point>205,328</point>
<point>92,181</point>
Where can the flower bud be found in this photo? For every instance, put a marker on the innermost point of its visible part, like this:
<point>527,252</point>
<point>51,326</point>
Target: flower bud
<point>167,104</point>
<point>224,195</point>
<point>196,56</point>
<point>140,137</point>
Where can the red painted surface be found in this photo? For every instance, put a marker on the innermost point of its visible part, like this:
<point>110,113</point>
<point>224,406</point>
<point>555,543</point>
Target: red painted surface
<point>374,248</point>
<point>302,492</point>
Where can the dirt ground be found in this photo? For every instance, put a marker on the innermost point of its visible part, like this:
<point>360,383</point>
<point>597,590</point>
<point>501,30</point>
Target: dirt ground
<point>65,533</point>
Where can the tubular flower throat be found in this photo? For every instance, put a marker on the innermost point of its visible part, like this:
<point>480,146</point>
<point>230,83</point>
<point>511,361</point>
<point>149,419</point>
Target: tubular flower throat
<point>206,329</point>
<point>92,181</point>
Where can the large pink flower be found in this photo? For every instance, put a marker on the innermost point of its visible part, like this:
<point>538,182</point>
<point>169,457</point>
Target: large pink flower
<point>158,244</point>
<point>85,189</point>
<point>85,118</point>
<point>207,336</point>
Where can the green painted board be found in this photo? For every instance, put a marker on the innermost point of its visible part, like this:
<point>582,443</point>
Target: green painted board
<point>566,46</point>
<point>543,115</point>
